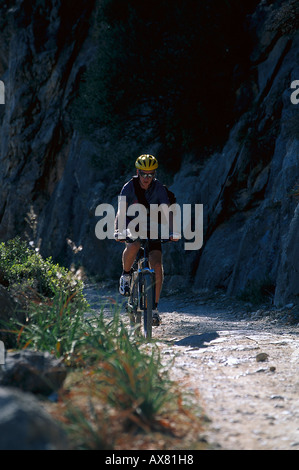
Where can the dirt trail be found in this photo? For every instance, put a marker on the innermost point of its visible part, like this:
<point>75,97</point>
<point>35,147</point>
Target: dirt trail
<point>243,365</point>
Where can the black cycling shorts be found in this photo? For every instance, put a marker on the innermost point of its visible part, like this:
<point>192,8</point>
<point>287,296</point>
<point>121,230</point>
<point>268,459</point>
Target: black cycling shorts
<point>152,245</point>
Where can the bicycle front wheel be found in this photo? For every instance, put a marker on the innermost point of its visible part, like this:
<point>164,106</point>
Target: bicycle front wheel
<point>148,283</point>
<point>132,305</point>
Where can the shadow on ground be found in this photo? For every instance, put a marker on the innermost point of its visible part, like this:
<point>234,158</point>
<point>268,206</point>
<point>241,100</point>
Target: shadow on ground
<point>197,341</point>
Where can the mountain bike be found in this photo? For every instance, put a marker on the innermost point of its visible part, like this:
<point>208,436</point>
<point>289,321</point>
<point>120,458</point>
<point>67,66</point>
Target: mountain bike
<point>141,300</point>
<point>142,295</point>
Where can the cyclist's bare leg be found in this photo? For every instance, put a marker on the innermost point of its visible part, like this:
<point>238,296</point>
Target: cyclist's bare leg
<point>155,261</point>
<point>129,255</point>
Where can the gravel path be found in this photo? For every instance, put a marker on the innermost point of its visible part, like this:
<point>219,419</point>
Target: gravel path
<point>243,365</point>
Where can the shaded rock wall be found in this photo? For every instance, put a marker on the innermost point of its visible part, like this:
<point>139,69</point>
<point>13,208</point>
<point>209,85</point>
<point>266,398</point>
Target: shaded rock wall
<point>250,215</point>
<point>44,50</point>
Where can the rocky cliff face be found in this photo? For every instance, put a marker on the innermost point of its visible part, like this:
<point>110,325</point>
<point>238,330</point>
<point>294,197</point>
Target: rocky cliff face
<point>250,216</point>
<point>45,47</point>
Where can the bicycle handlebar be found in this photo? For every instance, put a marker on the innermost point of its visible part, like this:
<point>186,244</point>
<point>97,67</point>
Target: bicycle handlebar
<point>143,240</point>
<point>127,237</point>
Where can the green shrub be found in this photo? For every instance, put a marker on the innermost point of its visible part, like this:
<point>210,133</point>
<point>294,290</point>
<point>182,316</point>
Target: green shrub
<point>131,378</point>
<point>22,265</point>
<point>54,326</point>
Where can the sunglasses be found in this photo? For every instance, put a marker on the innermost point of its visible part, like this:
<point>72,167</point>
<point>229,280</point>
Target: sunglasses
<point>146,175</point>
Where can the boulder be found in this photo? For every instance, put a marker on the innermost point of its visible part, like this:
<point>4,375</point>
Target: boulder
<point>25,425</point>
<point>33,371</point>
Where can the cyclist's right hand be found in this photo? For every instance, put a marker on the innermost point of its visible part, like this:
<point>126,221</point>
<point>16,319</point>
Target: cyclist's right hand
<point>124,236</point>
<point>118,237</point>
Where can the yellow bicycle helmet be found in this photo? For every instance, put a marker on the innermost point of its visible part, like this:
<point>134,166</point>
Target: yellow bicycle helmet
<point>146,162</point>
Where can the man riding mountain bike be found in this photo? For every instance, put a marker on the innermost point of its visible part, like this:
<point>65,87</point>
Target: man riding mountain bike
<point>146,189</point>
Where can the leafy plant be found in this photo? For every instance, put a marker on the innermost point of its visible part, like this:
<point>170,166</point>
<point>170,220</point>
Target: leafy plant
<point>21,264</point>
<point>54,326</point>
<point>128,375</point>
<point>131,379</point>
<point>88,429</point>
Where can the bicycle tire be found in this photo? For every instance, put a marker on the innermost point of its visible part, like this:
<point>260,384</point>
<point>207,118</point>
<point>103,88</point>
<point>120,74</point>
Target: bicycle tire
<point>148,304</point>
<point>133,301</point>
<point>136,311</point>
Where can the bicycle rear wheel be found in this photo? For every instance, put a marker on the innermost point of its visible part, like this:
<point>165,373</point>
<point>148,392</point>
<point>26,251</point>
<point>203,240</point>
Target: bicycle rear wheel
<point>148,283</point>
